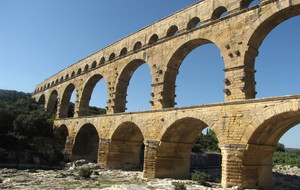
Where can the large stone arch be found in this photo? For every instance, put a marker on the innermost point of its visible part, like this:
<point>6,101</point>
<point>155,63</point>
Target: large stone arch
<point>86,143</point>
<point>260,29</point>
<point>258,123</point>
<point>173,66</point>
<point>64,104</point>
<point>61,133</point>
<point>126,147</point>
<point>173,154</point>
<point>123,83</point>
<point>261,138</point>
<point>42,100</point>
<point>87,93</point>
<point>245,3</point>
<point>52,102</point>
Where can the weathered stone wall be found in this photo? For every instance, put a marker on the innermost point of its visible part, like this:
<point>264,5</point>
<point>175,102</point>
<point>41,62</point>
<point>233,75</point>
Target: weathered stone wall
<point>247,128</point>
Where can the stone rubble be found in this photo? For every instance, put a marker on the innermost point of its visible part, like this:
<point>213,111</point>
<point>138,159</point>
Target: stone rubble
<point>285,177</point>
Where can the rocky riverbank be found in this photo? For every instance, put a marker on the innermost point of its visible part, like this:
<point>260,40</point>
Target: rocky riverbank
<point>284,178</point>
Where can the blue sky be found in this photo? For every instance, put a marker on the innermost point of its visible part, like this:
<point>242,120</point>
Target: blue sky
<point>38,38</point>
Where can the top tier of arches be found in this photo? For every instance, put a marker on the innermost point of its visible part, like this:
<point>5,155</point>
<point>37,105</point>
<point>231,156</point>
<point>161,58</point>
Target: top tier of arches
<point>191,18</point>
<point>164,52</point>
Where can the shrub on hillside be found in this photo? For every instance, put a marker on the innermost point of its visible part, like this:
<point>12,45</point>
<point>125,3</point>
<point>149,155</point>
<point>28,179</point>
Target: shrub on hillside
<point>201,178</point>
<point>21,115</point>
<point>85,172</point>
<point>289,157</point>
<point>179,186</point>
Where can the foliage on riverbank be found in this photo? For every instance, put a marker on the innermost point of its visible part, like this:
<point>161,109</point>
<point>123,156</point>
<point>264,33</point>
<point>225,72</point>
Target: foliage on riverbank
<point>289,157</point>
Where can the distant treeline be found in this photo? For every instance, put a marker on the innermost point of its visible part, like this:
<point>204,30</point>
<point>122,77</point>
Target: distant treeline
<point>287,157</point>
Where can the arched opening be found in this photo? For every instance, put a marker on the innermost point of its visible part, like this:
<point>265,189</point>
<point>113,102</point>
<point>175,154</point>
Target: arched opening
<point>94,64</point>
<point>126,148</point>
<point>73,74</point>
<point>206,155</point>
<point>98,99</point>
<point>153,39</point>
<point>219,13</point>
<point>79,71</point>
<point>174,153</point>
<point>52,102</point>
<point>123,51</point>
<point>67,77</point>
<point>61,79</point>
<point>112,57</point>
<point>61,133</point>
<point>86,144</point>
<point>192,79</point>
<point>56,82</point>
<point>249,3</point>
<point>278,60</point>
<point>84,108</point>
<point>102,61</point>
<point>42,100</point>
<point>137,46</point>
<point>66,106</point>
<point>193,23</point>
<point>136,91</point>
<point>86,68</point>
<point>257,169</point>
<point>172,31</point>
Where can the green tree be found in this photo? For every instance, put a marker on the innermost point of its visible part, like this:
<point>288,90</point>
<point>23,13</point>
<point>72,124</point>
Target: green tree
<point>206,142</point>
<point>21,115</point>
<point>96,111</point>
<point>280,147</point>
<point>34,123</point>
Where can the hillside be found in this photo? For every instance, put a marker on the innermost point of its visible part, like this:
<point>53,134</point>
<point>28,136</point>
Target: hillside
<point>26,138</point>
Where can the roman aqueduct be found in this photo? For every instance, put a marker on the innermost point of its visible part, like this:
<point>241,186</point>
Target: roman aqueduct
<point>247,128</point>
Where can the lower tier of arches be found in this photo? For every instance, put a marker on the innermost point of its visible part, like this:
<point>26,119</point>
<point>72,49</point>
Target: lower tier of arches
<point>160,142</point>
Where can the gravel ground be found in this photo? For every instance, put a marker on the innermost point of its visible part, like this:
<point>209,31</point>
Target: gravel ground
<point>69,178</point>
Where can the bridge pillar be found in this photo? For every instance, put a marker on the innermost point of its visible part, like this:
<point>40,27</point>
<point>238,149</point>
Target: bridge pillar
<point>69,146</point>
<point>239,72</point>
<point>76,109</point>
<point>257,169</point>
<point>173,160</point>
<point>151,147</point>
<point>103,152</point>
<point>232,164</point>
<point>124,154</point>
<point>162,98</point>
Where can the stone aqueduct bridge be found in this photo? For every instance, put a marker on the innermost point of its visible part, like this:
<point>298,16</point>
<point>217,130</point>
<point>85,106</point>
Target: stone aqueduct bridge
<point>161,138</point>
